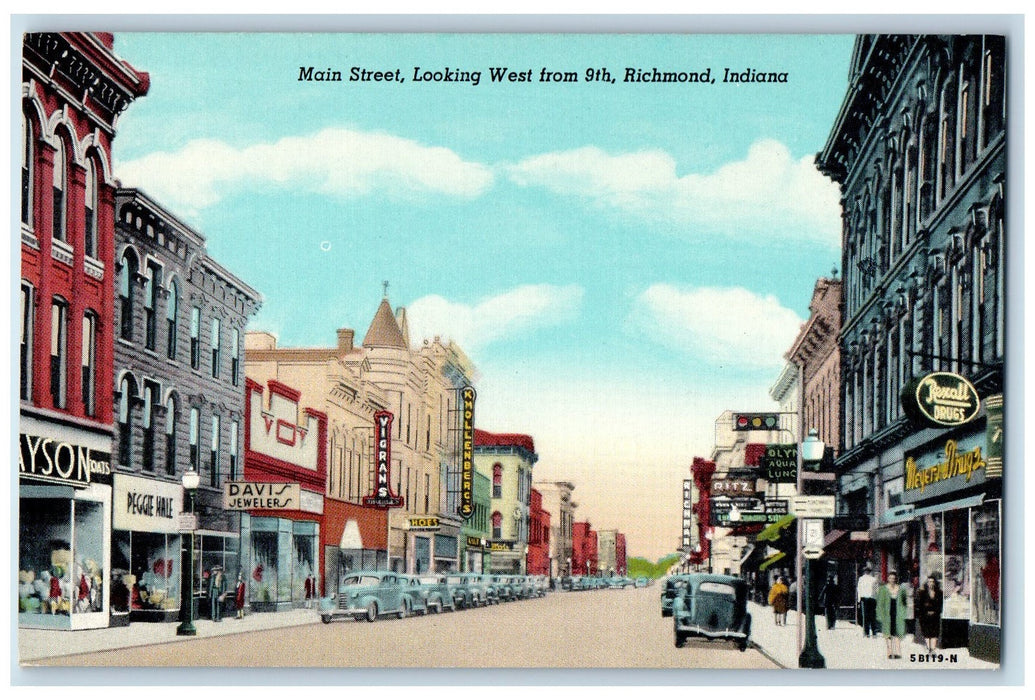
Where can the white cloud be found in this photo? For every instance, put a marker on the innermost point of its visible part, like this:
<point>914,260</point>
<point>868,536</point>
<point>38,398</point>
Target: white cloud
<point>518,310</point>
<point>768,187</point>
<point>335,161</point>
<point>722,326</point>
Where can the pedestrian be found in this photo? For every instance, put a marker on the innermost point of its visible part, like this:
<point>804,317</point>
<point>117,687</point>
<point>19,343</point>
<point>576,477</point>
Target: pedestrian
<point>792,594</point>
<point>891,614</point>
<point>866,590</point>
<point>310,586</point>
<point>778,599</point>
<point>927,606</point>
<point>239,596</point>
<point>216,594</point>
<point>829,600</point>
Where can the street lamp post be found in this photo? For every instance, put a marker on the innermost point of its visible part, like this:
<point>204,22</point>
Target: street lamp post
<point>191,479</point>
<point>811,450</point>
<point>708,536</point>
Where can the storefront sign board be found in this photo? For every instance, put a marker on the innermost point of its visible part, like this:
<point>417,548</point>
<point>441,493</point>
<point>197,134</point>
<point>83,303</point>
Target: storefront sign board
<point>780,463</point>
<point>941,400</point>
<point>59,462</point>
<point>247,495</point>
<point>145,505</point>
<point>813,506</point>
<point>466,507</point>
<point>945,469</point>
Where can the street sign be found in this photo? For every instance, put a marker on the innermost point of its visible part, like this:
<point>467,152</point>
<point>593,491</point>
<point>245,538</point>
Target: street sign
<point>813,506</point>
<point>812,552</point>
<point>188,522</point>
<point>812,535</point>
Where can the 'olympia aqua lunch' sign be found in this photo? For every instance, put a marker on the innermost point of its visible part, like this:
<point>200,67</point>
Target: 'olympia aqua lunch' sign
<point>941,399</point>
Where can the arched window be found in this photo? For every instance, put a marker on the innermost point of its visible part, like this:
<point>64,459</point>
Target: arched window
<point>497,480</point>
<point>127,277</point>
<point>213,462</point>
<point>993,104</point>
<point>171,310</point>
<point>60,182</point>
<point>234,428</point>
<point>946,141</point>
<point>152,283</point>
<point>147,449</point>
<point>58,352</point>
<point>171,418</point>
<point>27,345</point>
<point>195,437</point>
<point>215,335</point>
<point>127,392</point>
<point>90,209</point>
<point>28,169</point>
<point>497,525</point>
<point>89,363</point>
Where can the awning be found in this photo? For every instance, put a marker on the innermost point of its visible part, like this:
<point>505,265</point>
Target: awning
<point>772,532</point>
<point>907,515</point>
<point>748,551</point>
<point>771,560</point>
<point>844,544</point>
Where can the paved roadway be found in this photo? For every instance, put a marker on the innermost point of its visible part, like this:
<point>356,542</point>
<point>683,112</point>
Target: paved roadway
<point>582,629</point>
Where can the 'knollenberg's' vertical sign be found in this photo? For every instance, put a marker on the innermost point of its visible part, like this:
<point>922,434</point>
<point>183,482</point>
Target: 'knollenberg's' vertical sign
<point>466,508</point>
<point>383,496</point>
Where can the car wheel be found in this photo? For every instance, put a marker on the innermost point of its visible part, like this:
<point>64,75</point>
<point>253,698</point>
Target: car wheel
<point>326,619</point>
<point>680,640</point>
<point>371,611</point>
<point>743,645</point>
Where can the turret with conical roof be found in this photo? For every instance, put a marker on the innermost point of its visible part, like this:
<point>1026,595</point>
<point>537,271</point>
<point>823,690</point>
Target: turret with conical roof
<point>384,331</point>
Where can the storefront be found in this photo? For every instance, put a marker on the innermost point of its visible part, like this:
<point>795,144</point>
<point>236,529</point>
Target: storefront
<point>506,557</point>
<point>476,557</point>
<point>64,526</point>
<point>145,550</point>
<point>431,545</point>
<point>281,558</point>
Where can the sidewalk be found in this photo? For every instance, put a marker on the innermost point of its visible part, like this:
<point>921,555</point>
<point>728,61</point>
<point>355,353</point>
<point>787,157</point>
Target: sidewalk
<point>40,644</point>
<point>845,647</point>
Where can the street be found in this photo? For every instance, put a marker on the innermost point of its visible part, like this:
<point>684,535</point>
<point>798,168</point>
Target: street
<point>584,629</point>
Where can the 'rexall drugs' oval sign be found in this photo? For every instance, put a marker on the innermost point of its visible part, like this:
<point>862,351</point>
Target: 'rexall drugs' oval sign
<point>941,399</point>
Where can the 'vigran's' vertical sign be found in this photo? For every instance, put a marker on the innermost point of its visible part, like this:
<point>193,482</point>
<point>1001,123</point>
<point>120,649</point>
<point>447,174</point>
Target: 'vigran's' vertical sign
<point>466,507</point>
<point>383,496</point>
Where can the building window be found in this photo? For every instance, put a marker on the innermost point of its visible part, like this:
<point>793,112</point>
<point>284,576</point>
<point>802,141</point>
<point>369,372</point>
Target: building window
<point>28,303</point>
<point>497,525</point>
<point>213,460</point>
<point>28,170</point>
<point>152,282</point>
<point>170,436</point>
<point>126,391</point>
<point>90,210</point>
<point>235,357</point>
<point>946,144</point>
<point>233,450</point>
<point>147,449</point>
<point>170,316</point>
<point>58,352</point>
<point>195,337</point>
<point>89,363</point>
<point>59,186</point>
<point>126,276</point>
<point>992,93</point>
<point>215,347</point>
<point>195,430</point>
<point>497,480</point>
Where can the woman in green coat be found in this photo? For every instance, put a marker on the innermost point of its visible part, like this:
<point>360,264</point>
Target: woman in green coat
<point>891,614</point>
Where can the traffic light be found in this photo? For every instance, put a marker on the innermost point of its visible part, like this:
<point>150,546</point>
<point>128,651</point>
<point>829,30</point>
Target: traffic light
<point>756,421</point>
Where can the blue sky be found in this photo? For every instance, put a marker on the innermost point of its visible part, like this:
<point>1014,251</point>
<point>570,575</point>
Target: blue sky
<point>621,261</point>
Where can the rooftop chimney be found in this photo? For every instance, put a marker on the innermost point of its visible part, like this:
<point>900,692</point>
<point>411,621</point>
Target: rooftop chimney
<point>346,336</point>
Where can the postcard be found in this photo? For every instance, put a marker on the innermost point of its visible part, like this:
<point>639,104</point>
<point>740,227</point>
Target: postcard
<point>361,350</point>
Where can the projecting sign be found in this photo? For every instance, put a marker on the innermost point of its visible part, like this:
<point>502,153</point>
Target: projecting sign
<point>780,463</point>
<point>246,495</point>
<point>734,487</point>
<point>941,399</point>
<point>812,533</point>
<point>383,496</point>
<point>466,507</point>
<point>813,506</point>
<point>422,524</point>
<point>754,512</point>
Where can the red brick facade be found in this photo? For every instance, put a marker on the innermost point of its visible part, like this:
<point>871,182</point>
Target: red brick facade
<point>538,560</point>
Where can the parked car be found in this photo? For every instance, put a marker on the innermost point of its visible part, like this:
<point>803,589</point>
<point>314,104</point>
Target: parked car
<point>492,595</point>
<point>542,585</point>
<point>503,588</point>
<point>713,607</point>
<point>565,583</point>
<point>641,582</point>
<point>415,597</point>
<point>674,585</point>
<point>439,594</point>
<point>463,596</point>
<point>366,595</point>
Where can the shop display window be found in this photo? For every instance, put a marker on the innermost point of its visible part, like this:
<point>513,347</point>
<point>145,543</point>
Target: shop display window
<point>956,580</point>
<point>304,560</point>
<point>984,562</point>
<point>263,583</point>
<point>145,571</point>
<point>56,574</point>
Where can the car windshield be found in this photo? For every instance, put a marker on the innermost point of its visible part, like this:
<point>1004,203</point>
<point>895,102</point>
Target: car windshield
<point>720,588</point>
<point>360,581</point>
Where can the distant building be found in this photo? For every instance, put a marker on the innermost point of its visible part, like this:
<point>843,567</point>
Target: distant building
<point>584,550</point>
<point>557,500</point>
<point>538,558</point>
<point>507,459</point>
<point>607,552</point>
